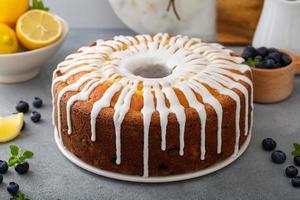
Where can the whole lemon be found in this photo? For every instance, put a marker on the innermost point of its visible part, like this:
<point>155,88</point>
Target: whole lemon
<point>11,10</point>
<point>8,39</point>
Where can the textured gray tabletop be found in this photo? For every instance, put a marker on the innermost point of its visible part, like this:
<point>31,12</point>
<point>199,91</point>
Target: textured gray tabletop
<point>52,176</point>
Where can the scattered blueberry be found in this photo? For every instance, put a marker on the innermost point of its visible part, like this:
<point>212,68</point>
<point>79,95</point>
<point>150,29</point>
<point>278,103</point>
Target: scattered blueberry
<point>1,179</point>
<point>37,102</point>
<point>286,60</point>
<point>296,181</point>
<point>22,106</point>
<point>3,167</point>
<point>13,188</point>
<point>262,51</point>
<point>278,157</point>
<point>22,168</point>
<point>269,144</point>
<point>35,116</point>
<point>297,160</point>
<point>291,171</point>
<point>274,56</point>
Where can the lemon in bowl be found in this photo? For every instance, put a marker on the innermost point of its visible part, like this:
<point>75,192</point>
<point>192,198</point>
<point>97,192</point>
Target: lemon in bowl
<point>38,28</point>
<point>11,10</point>
<point>8,40</point>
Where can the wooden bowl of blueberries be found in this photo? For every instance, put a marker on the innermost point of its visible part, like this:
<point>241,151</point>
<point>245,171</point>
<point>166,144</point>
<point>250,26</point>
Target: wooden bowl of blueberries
<point>273,72</point>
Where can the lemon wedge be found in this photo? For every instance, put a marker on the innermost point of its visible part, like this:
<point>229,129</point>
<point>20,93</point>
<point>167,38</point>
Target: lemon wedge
<point>10,127</point>
<point>37,28</point>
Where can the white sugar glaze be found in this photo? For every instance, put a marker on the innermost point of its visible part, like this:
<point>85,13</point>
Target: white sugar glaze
<point>193,64</point>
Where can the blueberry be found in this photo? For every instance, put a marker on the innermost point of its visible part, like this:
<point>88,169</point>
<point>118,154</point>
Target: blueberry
<point>269,63</point>
<point>274,56</point>
<point>3,167</point>
<point>268,144</point>
<point>37,102</point>
<point>22,168</point>
<point>35,116</point>
<point>258,58</point>
<point>246,55</point>
<point>13,188</point>
<point>296,181</point>
<point>262,51</point>
<point>22,106</point>
<point>278,157</point>
<point>297,160</point>
<point>1,179</point>
<point>291,171</point>
<point>285,60</point>
<point>249,52</point>
<point>271,50</point>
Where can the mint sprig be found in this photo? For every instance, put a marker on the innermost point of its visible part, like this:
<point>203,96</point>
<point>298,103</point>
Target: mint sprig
<point>20,196</point>
<point>38,4</point>
<point>296,151</point>
<point>252,62</point>
<point>18,156</point>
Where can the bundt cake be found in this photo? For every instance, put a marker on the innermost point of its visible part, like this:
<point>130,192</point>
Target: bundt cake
<point>152,105</point>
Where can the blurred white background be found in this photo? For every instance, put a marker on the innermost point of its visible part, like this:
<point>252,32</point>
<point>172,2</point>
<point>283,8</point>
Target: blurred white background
<point>86,13</point>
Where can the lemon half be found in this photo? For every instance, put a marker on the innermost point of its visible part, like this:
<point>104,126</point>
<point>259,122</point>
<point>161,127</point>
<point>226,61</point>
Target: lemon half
<point>37,28</point>
<point>10,127</point>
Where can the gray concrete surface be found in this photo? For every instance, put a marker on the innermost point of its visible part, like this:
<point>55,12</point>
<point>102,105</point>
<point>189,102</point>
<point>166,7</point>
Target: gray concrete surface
<point>52,176</point>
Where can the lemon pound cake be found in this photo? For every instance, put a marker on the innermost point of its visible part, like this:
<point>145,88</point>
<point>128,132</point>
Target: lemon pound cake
<point>152,105</point>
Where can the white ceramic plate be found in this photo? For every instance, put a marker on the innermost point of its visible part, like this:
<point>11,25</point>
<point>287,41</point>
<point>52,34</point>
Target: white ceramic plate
<point>22,66</point>
<point>141,179</point>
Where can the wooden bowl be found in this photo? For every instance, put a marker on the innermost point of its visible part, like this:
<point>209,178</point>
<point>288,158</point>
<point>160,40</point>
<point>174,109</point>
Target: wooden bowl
<point>274,85</point>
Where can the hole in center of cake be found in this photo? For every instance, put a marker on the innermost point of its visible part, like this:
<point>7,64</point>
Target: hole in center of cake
<point>152,71</point>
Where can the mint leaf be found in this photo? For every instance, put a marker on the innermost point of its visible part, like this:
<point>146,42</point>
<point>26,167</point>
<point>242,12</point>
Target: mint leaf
<point>12,161</point>
<point>252,62</point>
<point>38,4</point>
<point>296,151</point>
<point>14,150</point>
<point>27,154</point>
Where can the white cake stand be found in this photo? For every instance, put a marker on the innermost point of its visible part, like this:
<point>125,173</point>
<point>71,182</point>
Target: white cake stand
<point>132,178</point>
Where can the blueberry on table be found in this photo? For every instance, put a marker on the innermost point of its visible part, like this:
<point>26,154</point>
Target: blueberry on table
<point>262,51</point>
<point>1,179</point>
<point>13,188</point>
<point>22,168</point>
<point>269,144</point>
<point>274,56</point>
<point>3,167</point>
<point>35,116</point>
<point>37,102</point>
<point>296,181</point>
<point>285,60</point>
<point>291,171</point>
<point>22,106</point>
<point>278,157</point>
<point>297,160</point>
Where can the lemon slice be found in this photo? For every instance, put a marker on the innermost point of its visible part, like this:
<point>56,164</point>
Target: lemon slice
<point>10,127</point>
<point>37,28</point>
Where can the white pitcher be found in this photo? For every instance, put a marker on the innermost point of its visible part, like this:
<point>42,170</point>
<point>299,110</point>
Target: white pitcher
<point>279,25</point>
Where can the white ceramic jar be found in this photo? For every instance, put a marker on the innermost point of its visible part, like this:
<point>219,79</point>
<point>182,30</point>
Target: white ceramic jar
<point>188,17</point>
<point>279,25</point>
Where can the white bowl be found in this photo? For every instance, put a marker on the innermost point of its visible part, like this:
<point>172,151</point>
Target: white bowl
<point>23,66</point>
